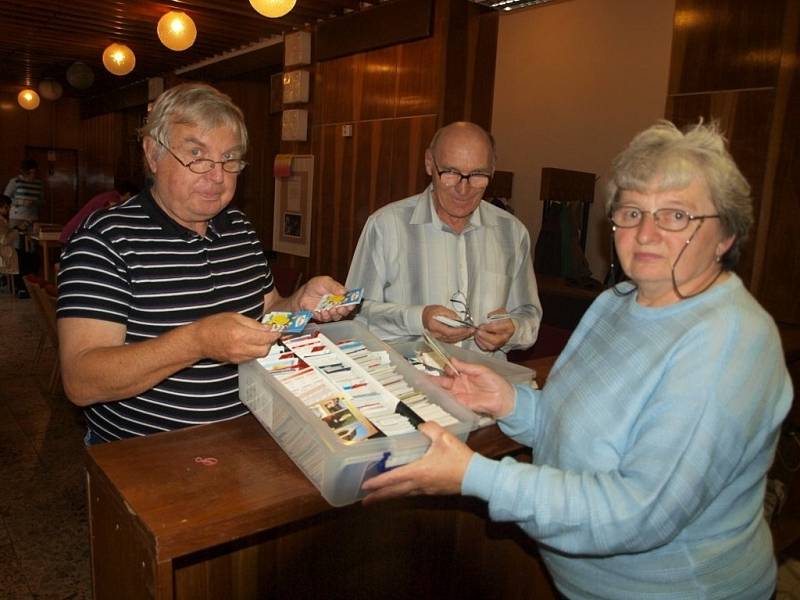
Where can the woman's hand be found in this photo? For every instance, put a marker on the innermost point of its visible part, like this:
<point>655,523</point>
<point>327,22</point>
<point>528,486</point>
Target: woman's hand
<point>478,388</point>
<point>439,472</point>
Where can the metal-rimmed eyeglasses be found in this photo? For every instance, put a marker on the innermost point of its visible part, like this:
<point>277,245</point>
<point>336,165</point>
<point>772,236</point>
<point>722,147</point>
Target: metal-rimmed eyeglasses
<point>668,219</point>
<point>201,166</point>
<point>452,177</point>
<point>461,306</point>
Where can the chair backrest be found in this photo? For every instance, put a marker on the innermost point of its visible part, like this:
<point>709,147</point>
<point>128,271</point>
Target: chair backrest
<point>287,279</point>
<point>45,298</point>
<point>563,186</point>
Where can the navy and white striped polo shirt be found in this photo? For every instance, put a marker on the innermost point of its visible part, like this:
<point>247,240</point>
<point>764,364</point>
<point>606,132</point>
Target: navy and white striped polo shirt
<point>132,264</point>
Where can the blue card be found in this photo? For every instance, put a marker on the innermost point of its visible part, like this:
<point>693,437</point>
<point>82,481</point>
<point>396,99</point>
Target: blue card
<point>287,322</point>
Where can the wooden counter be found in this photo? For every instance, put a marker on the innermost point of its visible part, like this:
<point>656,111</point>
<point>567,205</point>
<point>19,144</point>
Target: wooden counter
<point>167,523</point>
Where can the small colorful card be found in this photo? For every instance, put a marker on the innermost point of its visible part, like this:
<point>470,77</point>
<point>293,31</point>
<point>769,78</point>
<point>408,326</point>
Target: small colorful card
<point>287,322</point>
<point>329,301</point>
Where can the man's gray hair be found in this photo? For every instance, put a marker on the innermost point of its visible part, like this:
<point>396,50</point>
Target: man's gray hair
<point>663,158</point>
<point>194,104</point>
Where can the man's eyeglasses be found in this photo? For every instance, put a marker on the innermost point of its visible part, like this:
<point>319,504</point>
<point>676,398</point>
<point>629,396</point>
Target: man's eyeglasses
<point>668,219</point>
<point>459,302</point>
<point>452,177</point>
<point>202,166</point>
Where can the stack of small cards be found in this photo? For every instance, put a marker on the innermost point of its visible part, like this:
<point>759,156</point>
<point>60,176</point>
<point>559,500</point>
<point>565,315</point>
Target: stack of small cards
<point>355,391</point>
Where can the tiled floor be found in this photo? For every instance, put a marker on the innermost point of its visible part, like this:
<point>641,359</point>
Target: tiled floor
<point>44,537</point>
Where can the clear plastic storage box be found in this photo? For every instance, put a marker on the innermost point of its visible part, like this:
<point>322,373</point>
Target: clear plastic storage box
<point>337,469</point>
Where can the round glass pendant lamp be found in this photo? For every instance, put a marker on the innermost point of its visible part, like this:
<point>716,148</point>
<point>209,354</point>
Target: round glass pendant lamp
<point>176,30</point>
<point>119,59</point>
<point>50,89</point>
<point>273,8</point>
<point>80,76</point>
<point>28,99</point>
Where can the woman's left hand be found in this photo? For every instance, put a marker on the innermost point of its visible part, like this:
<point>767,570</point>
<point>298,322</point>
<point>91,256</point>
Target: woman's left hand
<point>439,472</point>
<point>312,292</point>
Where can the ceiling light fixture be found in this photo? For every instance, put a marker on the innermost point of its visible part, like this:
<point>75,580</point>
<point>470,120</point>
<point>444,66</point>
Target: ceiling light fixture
<point>119,59</point>
<point>273,8</point>
<point>80,76</point>
<point>176,30</point>
<point>28,99</point>
<point>50,89</point>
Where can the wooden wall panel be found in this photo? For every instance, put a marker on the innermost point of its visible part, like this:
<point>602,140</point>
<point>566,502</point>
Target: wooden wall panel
<point>779,287</point>
<point>373,171</point>
<point>745,117</point>
<point>393,97</point>
<point>378,90</point>
<point>337,89</point>
<point>725,44</point>
<point>420,81</point>
<point>411,138</point>
<point>255,188</point>
<point>101,143</point>
<point>52,125</point>
<point>738,62</point>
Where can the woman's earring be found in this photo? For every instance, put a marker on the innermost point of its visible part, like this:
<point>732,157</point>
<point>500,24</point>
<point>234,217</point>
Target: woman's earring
<point>718,258</point>
<point>613,228</point>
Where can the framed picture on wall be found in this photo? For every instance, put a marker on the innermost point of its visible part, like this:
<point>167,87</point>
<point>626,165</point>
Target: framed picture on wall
<point>291,224</point>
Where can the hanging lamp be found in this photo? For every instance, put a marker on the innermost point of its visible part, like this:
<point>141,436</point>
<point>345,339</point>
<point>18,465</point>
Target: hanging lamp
<point>119,59</point>
<point>273,8</point>
<point>28,99</point>
<point>176,30</point>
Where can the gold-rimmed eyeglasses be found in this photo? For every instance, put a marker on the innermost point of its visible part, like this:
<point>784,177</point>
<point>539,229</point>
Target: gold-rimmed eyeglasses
<point>201,166</point>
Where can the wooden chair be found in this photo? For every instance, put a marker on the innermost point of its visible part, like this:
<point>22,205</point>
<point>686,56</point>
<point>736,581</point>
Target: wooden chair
<point>44,297</point>
<point>31,285</point>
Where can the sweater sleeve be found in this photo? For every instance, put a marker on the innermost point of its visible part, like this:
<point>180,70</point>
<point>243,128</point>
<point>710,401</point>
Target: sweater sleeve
<point>702,441</point>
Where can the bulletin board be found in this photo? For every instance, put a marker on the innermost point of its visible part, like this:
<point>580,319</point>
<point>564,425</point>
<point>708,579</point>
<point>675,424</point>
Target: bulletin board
<point>294,184</point>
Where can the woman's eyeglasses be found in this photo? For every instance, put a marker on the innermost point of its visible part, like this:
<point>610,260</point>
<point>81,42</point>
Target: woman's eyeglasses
<point>668,219</point>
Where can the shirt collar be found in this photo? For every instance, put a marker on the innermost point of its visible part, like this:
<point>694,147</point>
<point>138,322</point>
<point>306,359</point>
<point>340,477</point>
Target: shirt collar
<point>217,225</point>
<point>425,212</point>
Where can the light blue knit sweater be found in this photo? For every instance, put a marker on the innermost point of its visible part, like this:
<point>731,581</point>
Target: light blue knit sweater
<point>651,443</point>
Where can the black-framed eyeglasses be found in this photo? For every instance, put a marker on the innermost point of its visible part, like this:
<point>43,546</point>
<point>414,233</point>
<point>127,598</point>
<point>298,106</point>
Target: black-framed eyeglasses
<point>201,166</point>
<point>668,219</point>
<point>461,306</point>
<point>452,177</point>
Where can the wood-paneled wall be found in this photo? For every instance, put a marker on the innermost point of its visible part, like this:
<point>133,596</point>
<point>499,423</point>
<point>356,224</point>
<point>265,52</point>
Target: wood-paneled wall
<point>737,62</point>
<point>395,98</point>
<point>53,125</point>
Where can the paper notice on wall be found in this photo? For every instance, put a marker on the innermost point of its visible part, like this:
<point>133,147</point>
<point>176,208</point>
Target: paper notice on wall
<point>291,231</point>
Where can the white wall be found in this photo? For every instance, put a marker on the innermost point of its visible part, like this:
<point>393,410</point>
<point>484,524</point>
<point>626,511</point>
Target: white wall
<point>575,80</point>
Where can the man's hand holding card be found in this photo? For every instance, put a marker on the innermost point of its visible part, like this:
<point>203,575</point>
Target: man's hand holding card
<point>315,295</point>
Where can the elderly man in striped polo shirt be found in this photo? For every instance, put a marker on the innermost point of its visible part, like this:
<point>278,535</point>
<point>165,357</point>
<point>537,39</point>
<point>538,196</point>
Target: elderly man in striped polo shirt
<point>159,297</point>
